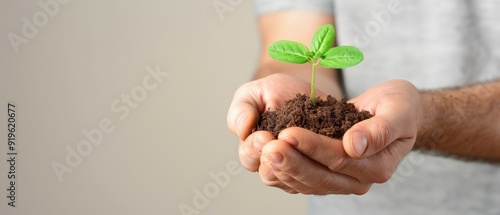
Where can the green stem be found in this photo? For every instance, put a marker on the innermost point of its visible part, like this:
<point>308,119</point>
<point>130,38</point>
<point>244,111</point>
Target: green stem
<point>313,75</point>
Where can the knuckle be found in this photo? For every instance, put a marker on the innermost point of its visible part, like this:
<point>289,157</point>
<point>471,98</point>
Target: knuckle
<point>309,191</point>
<point>287,179</point>
<point>382,177</point>
<point>339,165</point>
<point>330,187</point>
<point>326,185</point>
<point>412,87</point>
<point>248,163</point>
<point>270,182</point>
<point>384,134</point>
<point>249,167</point>
<point>362,189</point>
<point>290,190</point>
<point>291,169</point>
<point>387,163</point>
<point>280,185</point>
<point>269,178</point>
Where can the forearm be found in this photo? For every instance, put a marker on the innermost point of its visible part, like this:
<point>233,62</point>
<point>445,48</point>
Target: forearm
<point>297,26</point>
<point>463,122</point>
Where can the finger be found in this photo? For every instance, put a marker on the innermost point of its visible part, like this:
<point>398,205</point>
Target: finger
<point>330,153</point>
<point>327,151</point>
<point>385,162</point>
<point>268,178</point>
<point>269,171</point>
<point>243,112</point>
<point>306,175</point>
<point>250,149</point>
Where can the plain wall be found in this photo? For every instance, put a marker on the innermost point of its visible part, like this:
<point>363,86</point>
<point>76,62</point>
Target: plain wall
<point>71,78</point>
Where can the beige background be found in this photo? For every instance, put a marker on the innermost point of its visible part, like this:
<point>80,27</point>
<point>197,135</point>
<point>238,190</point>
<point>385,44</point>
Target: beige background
<point>65,79</point>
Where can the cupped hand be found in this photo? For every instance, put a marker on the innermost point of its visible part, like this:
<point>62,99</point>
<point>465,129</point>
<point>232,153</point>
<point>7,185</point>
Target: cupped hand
<point>301,161</point>
<point>253,98</point>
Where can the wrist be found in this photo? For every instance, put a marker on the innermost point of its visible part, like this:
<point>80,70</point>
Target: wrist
<point>461,122</point>
<point>429,133</point>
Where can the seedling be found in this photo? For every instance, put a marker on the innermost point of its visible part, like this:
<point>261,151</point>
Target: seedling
<point>321,53</point>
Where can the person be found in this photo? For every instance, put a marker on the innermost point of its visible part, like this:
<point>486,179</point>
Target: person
<point>430,78</point>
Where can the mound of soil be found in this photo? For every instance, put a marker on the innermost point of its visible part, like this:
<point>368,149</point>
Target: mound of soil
<point>329,117</point>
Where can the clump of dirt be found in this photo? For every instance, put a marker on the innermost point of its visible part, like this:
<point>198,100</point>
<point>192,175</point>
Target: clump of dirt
<point>329,117</point>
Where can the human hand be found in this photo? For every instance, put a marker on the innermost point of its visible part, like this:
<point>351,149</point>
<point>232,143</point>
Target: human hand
<point>301,161</point>
<point>253,98</point>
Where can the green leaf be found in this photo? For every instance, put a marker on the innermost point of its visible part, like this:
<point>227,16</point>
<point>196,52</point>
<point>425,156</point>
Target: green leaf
<point>341,57</point>
<point>289,51</point>
<point>310,54</point>
<point>322,40</point>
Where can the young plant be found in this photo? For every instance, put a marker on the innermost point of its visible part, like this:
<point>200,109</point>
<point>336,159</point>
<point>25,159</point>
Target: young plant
<point>321,53</point>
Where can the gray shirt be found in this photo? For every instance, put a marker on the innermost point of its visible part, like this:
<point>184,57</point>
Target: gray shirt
<point>433,44</point>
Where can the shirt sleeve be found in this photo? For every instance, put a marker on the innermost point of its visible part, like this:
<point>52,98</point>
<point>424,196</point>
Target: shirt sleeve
<point>268,6</point>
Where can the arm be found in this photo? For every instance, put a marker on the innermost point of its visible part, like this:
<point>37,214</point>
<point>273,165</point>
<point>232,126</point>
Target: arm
<point>463,122</point>
<point>298,26</point>
<point>300,161</point>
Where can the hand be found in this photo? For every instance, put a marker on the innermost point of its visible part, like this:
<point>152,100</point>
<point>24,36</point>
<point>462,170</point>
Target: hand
<point>253,98</point>
<point>303,161</point>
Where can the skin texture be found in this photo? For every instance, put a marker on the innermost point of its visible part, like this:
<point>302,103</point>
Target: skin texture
<point>301,161</point>
<point>463,122</point>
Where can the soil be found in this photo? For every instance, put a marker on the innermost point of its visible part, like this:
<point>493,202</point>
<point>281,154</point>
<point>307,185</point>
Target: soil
<point>329,117</point>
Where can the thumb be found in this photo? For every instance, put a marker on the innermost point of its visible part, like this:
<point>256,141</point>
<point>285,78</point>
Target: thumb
<point>243,113</point>
<point>241,119</point>
<point>369,137</point>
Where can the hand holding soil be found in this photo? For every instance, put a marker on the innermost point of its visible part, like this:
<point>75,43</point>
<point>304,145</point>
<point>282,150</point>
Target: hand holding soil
<point>301,161</point>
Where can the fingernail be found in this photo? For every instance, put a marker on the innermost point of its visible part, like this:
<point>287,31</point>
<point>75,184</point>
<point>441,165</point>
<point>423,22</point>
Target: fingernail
<point>239,124</point>
<point>359,143</point>
<point>274,158</point>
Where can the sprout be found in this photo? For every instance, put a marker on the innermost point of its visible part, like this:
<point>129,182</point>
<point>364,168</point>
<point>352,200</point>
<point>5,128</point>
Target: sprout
<point>321,53</point>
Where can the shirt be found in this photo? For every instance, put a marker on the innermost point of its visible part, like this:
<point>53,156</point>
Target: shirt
<point>433,44</point>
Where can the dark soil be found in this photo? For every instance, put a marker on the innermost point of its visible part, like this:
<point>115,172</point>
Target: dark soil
<point>328,117</point>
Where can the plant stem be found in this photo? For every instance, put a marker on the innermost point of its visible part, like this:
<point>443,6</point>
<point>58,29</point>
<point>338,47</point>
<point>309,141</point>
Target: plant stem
<point>313,75</point>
